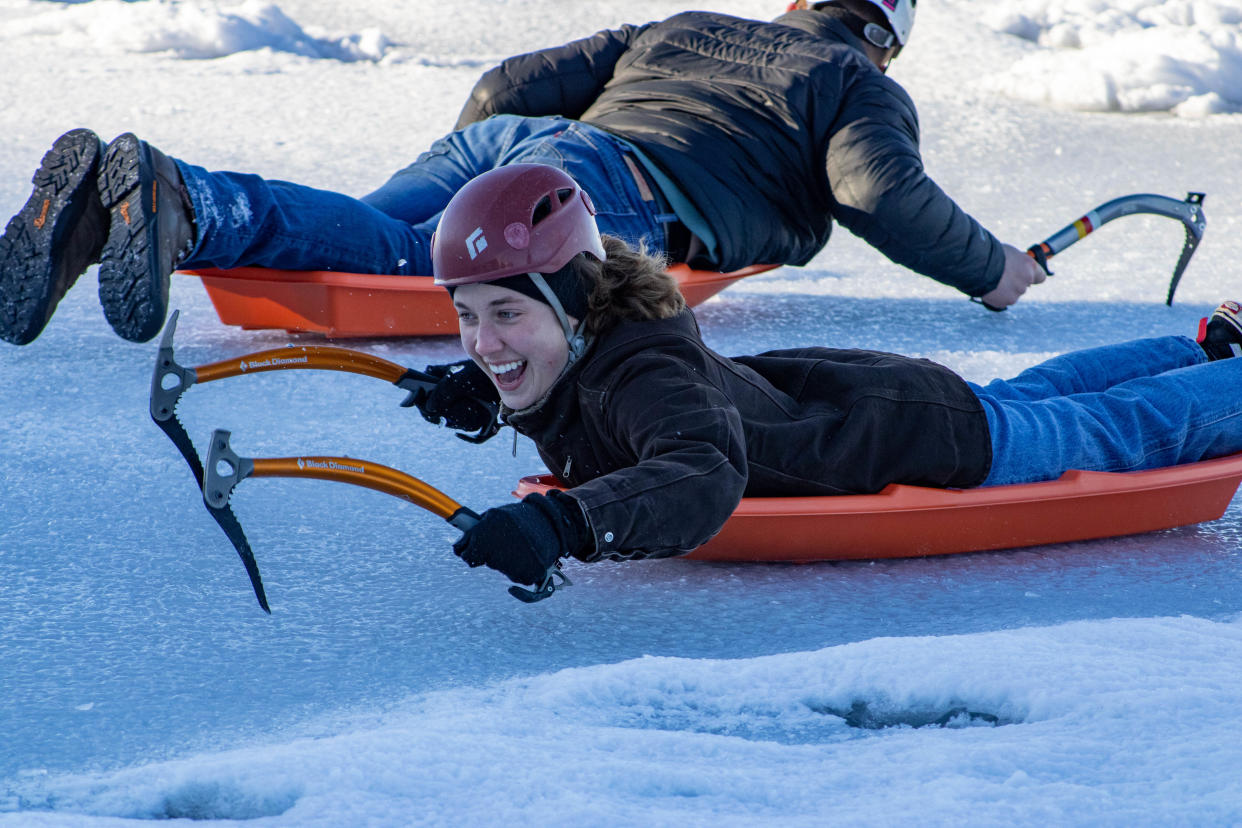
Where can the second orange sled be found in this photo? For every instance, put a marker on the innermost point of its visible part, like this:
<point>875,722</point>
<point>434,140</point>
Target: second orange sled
<point>912,521</point>
<point>345,305</point>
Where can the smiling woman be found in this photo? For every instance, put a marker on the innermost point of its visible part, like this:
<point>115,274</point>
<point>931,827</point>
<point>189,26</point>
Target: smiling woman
<point>516,339</point>
<point>532,279</point>
<point>657,438</point>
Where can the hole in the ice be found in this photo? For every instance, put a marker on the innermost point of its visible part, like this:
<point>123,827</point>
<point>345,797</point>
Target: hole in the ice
<point>866,717</point>
<point>212,800</point>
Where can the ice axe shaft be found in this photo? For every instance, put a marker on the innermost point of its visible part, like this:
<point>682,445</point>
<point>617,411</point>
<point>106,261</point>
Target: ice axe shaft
<point>225,469</point>
<point>170,380</point>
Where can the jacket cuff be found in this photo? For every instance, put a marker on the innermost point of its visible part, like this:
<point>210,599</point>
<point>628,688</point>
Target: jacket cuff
<point>572,520</point>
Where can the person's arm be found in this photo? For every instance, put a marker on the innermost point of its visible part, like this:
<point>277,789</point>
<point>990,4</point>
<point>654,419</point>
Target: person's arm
<point>688,448</point>
<point>884,195</point>
<point>689,472</point>
<point>563,80</point>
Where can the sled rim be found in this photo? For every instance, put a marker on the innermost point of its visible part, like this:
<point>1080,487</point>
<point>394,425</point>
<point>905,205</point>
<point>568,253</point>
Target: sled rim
<point>913,521</point>
<point>356,305</point>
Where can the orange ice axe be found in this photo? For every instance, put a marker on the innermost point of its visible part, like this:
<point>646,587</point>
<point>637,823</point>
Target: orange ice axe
<point>224,469</point>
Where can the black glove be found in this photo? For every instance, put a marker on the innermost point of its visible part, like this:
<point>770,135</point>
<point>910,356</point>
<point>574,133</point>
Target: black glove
<point>524,540</point>
<point>464,398</point>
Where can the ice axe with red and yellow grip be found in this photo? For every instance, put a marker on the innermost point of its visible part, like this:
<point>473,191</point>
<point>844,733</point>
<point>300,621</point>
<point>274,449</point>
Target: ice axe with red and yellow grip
<point>225,469</point>
<point>1189,211</point>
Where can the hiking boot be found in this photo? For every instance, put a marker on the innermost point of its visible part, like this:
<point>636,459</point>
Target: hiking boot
<point>1220,334</point>
<point>54,238</point>
<point>151,231</point>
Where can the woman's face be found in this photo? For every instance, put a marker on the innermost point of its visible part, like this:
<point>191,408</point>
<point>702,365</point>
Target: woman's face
<point>515,339</point>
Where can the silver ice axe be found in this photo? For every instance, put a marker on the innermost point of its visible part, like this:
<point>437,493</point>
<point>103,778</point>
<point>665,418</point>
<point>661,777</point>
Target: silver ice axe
<point>1188,211</point>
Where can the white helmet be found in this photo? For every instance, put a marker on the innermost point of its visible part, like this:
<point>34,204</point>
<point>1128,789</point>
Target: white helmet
<point>900,14</point>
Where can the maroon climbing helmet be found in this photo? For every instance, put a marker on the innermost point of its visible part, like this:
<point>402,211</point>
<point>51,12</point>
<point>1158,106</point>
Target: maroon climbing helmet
<point>519,218</point>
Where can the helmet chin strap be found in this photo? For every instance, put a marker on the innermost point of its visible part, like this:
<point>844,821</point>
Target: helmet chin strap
<point>577,342</point>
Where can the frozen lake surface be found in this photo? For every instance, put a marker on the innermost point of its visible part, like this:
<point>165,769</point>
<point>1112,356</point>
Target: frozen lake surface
<point>1092,683</point>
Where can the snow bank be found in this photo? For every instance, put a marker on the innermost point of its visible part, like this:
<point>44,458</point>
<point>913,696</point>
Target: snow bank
<point>1181,56</point>
<point>1096,720</point>
<point>191,30</point>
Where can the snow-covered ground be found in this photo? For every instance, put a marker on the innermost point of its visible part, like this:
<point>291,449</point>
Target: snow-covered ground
<point>1093,683</point>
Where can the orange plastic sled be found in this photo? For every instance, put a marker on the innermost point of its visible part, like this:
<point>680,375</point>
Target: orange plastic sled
<point>342,305</point>
<point>911,521</point>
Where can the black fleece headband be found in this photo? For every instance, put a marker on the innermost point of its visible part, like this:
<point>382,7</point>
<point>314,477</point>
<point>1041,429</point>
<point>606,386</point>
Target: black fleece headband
<point>567,286</point>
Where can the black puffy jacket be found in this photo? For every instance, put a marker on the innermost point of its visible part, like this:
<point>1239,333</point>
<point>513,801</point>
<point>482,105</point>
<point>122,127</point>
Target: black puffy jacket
<point>772,130</point>
<point>660,437</point>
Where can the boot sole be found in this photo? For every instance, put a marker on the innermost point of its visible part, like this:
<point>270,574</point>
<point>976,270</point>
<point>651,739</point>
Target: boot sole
<point>37,264</point>
<point>132,288</point>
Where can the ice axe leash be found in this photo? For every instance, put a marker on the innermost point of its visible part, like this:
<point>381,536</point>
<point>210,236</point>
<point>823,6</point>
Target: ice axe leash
<point>1189,211</point>
<point>225,469</point>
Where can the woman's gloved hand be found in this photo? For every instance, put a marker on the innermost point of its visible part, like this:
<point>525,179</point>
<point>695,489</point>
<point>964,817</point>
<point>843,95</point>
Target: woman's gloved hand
<point>464,398</point>
<point>524,540</point>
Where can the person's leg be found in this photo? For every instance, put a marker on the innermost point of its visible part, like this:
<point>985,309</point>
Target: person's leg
<point>418,193</point>
<point>1182,415</point>
<point>1097,369</point>
<point>597,160</point>
<point>591,156</point>
<point>244,220</point>
<point>227,219</point>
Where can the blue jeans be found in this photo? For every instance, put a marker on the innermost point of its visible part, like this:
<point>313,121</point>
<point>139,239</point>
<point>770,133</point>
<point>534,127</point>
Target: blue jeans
<point>245,220</point>
<point>1138,405</point>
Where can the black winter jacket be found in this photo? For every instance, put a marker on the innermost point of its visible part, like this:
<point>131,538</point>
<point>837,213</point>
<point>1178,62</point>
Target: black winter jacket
<point>659,437</point>
<point>772,130</point>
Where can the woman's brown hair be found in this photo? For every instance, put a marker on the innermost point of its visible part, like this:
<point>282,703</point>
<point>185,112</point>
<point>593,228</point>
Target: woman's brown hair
<point>631,285</point>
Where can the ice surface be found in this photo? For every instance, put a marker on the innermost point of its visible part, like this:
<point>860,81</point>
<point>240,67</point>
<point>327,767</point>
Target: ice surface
<point>1092,683</point>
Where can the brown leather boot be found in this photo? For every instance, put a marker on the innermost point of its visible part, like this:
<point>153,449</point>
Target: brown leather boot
<point>151,230</point>
<point>54,238</point>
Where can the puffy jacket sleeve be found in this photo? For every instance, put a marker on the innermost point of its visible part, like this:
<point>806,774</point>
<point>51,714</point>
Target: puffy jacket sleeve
<point>689,465</point>
<point>563,80</point>
<point>883,194</point>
